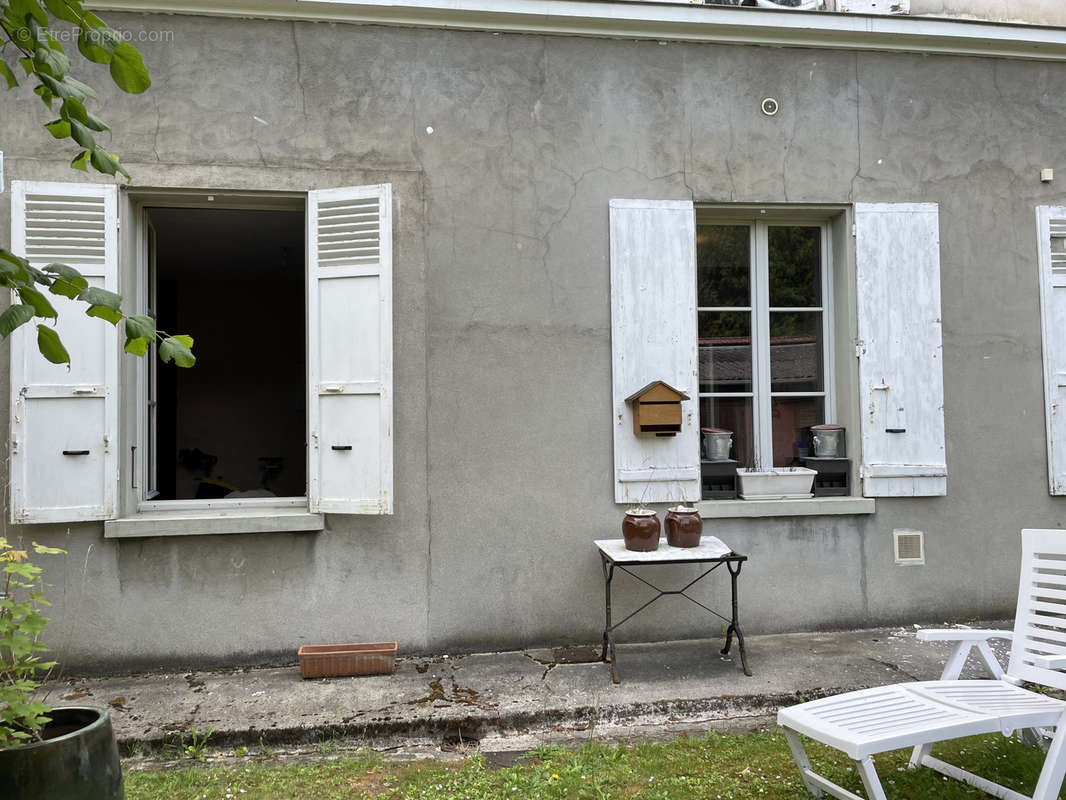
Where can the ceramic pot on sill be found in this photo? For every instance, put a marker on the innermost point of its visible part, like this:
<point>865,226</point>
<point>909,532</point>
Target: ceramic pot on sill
<point>684,526</point>
<point>640,529</point>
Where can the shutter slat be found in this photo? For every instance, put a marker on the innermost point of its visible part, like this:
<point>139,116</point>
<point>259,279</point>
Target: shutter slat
<point>897,252</point>
<point>55,409</point>
<point>654,337</point>
<point>350,350</point>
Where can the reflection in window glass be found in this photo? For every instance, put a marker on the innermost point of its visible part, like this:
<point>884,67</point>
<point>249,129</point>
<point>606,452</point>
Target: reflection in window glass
<point>796,351</point>
<point>731,414</point>
<point>795,264</point>
<point>725,351</point>
<point>791,417</point>
<point>723,265</point>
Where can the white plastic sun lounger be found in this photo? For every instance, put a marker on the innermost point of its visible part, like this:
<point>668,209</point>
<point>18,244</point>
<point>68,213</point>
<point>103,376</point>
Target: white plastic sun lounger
<point>871,721</point>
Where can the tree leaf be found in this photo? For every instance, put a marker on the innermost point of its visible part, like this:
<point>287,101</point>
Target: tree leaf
<point>13,317</point>
<point>95,122</point>
<point>177,349</point>
<point>128,70</point>
<point>140,332</point>
<point>84,91</point>
<point>96,296</point>
<point>93,47</point>
<point>54,62</point>
<point>103,312</point>
<point>8,75</point>
<point>81,161</point>
<point>140,326</point>
<point>82,136</point>
<point>69,287</point>
<point>51,347</point>
<point>45,94</point>
<point>61,10</point>
<point>41,306</point>
<point>60,128</point>
<point>63,271</point>
<point>104,162</point>
<point>73,108</point>
<point>137,347</point>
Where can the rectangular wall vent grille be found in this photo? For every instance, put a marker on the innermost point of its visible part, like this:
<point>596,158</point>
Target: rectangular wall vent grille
<point>910,547</point>
<point>349,232</point>
<point>66,229</point>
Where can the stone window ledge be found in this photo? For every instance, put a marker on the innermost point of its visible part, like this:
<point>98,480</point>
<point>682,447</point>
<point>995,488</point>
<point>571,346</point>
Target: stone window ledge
<point>813,507</point>
<point>211,522</point>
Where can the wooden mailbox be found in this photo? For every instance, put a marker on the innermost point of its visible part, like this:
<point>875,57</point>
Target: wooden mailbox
<point>657,409</point>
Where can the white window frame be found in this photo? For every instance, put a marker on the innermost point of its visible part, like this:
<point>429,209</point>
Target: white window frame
<point>137,474</point>
<point>761,394</point>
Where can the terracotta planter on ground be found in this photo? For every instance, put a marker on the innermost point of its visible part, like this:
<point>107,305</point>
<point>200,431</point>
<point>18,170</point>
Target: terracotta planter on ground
<point>340,660</point>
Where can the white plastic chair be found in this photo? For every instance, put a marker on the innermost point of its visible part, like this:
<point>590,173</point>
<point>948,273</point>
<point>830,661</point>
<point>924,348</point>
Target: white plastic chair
<point>871,721</point>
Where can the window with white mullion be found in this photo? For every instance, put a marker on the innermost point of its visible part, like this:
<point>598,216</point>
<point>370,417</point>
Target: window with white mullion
<point>764,304</point>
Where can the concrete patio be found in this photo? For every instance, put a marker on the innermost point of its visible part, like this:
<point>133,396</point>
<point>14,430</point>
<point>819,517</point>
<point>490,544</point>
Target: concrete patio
<point>509,701</point>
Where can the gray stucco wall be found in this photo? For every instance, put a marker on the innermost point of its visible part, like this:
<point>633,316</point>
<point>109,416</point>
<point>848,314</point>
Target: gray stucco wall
<point>502,322</point>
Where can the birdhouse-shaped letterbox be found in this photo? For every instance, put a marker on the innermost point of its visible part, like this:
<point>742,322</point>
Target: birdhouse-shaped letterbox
<point>657,409</point>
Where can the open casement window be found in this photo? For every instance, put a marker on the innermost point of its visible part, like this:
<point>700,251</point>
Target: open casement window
<point>349,315</point>
<point>1051,227</point>
<point>64,422</point>
<point>653,338</point>
<point>901,393</point>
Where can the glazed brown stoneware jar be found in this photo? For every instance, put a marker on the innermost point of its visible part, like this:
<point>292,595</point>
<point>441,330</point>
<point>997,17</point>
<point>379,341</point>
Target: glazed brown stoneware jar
<point>640,529</point>
<point>683,526</point>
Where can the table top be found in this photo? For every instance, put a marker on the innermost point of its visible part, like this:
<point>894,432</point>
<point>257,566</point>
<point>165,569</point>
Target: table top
<point>711,548</point>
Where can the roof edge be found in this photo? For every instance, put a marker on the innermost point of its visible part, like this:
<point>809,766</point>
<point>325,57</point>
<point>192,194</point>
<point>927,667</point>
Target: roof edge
<point>650,20</point>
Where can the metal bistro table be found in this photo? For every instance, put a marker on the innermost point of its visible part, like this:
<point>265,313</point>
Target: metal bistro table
<point>711,550</point>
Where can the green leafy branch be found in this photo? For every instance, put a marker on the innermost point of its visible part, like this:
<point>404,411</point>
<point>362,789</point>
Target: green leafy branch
<point>21,624</point>
<point>25,25</point>
<point>17,274</point>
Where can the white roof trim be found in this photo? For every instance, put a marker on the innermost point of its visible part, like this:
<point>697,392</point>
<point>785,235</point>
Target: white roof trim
<point>650,20</point>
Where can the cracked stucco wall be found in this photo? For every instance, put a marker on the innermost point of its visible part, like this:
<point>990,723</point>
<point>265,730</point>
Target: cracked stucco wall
<point>502,322</point>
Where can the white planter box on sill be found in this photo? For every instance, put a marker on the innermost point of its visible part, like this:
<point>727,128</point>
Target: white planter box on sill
<point>779,483</point>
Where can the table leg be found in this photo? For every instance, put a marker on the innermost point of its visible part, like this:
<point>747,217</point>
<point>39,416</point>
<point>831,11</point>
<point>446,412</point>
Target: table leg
<point>734,625</point>
<point>608,633</point>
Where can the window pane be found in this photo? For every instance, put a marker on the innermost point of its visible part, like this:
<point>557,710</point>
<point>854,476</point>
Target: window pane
<point>731,414</point>
<point>791,417</point>
<point>725,351</point>
<point>795,266</point>
<point>723,265</point>
<point>796,351</point>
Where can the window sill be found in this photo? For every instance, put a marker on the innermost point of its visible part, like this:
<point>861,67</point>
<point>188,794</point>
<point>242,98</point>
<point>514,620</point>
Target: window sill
<point>211,522</point>
<point>814,507</point>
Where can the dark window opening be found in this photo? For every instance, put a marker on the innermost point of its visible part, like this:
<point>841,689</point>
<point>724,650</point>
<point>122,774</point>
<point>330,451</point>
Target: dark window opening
<point>234,425</point>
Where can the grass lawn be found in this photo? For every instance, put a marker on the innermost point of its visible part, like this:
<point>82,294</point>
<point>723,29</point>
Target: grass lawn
<point>716,765</point>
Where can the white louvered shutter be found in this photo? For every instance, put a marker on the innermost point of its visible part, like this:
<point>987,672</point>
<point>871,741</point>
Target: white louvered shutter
<point>653,337</point>
<point>64,465</point>
<point>349,311</point>
<point>1051,225</point>
<point>901,393</point>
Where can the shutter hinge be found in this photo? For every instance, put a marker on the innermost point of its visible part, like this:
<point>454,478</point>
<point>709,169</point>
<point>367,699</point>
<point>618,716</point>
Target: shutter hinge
<point>853,229</point>
<point>14,445</point>
<point>118,224</point>
<point>107,444</point>
<point>860,348</point>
